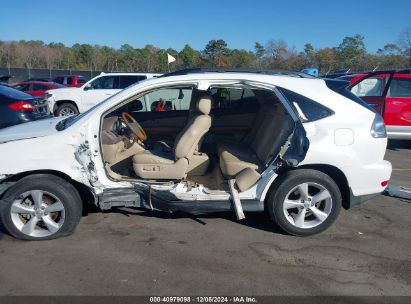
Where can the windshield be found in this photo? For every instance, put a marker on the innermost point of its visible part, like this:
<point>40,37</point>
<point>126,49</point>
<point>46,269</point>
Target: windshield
<point>58,85</point>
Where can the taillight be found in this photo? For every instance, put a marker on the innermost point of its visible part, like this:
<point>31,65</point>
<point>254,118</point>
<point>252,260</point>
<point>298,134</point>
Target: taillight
<point>22,106</point>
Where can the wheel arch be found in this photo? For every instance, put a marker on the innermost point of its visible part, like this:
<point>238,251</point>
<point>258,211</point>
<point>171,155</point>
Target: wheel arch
<point>60,102</point>
<point>87,195</point>
<point>337,175</point>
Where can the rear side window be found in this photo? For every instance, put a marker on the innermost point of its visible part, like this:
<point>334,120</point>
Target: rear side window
<point>307,109</point>
<point>39,87</point>
<point>126,81</point>
<point>234,99</point>
<point>400,87</point>
<point>81,80</point>
<point>59,80</point>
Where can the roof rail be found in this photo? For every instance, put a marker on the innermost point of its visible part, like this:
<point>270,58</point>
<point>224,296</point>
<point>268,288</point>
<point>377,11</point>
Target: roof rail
<point>235,70</point>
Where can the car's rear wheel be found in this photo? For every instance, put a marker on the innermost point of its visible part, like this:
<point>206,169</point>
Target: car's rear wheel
<point>304,202</point>
<point>66,109</point>
<point>41,207</point>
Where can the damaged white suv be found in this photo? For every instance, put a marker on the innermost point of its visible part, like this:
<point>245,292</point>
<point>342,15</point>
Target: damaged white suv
<point>198,141</point>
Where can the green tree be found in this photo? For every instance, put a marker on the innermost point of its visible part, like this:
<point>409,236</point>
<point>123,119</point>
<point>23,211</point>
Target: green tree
<point>309,55</point>
<point>351,50</point>
<point>188,56</point>
<point>242,59</point>
<point>216,51</point>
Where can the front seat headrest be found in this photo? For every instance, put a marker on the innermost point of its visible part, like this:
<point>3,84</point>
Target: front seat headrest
<point>204,104</point>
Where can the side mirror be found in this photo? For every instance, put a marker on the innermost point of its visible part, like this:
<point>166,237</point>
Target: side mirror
<point>87,87</point>
<point>135,106</point>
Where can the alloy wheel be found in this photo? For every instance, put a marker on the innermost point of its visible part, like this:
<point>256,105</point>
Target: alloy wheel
<point>307,205</point>
<point>37,213</point>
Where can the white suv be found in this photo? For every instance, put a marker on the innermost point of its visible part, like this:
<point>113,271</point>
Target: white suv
<point>198,141</point>
<point>70,101</point>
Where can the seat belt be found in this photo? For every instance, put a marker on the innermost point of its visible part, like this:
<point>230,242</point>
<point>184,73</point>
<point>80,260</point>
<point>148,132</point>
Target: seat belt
<point>236,200</point>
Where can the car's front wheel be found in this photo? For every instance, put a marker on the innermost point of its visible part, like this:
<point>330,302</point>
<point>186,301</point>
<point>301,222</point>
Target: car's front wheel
<point>41,207</point>
<point>66,109</point>
<point>304,202</point>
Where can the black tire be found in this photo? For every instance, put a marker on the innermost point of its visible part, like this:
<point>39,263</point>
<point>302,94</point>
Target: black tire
<point>66,109</point>
<point>58,187</point>
<point>286,183</point>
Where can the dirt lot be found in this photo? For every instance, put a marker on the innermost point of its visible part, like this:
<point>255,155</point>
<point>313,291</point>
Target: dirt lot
<point>367,252</point>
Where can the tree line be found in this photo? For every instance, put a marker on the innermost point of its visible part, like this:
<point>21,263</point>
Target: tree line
<point>275,54</point>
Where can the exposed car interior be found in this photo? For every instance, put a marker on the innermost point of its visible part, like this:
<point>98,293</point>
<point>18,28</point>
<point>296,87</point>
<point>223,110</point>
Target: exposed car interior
<point>203,137</point>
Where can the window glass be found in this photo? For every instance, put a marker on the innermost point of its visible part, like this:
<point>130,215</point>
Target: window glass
<point>162,100</point>
<point>81,80</point>
<point>368,87</point>
<point>12,93</point>
<point>174,99</point>
<point>22,87</point>
<point>39,87</point>
<point>59,80</point>
<point>69,80</point>
<point>128,80</point>
<point>57,85</point>
<point>400,87</point>
<point>233,98</point>
<point>103,83</point>
<point>307,109</point>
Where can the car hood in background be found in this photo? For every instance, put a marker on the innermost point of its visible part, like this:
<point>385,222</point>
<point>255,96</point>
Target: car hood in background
<point>64,90</point>
<point>38,128</point>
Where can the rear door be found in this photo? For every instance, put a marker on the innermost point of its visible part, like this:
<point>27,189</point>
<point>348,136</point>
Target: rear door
<point>398,102</point>
<point>373,89</point>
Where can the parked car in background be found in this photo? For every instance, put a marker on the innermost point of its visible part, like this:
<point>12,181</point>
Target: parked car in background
<point>337,73</point>
<point>41,79</point>
<point>389,93</point>
<point>71,81</point>
<point>311,71</point>
<point>4,79</point>
<point>37,88</point>
<point>70,101</point>
<point>242,142</point>
<point>17,107</point>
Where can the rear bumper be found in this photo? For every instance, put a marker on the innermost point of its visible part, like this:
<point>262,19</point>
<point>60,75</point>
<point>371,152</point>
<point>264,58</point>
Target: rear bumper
<point>366,180</point>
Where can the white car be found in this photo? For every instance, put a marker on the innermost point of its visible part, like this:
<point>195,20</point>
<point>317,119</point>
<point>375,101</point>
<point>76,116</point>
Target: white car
<point>199,142</point>
<point>71,101</point>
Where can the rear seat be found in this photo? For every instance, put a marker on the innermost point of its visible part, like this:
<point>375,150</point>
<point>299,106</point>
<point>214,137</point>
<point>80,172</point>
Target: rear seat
<point>272,127</point>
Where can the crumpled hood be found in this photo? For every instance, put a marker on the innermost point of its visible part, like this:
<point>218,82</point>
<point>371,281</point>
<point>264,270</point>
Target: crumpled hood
<point>39,128</point>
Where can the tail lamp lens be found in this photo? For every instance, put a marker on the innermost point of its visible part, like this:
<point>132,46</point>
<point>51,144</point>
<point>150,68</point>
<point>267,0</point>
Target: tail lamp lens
<point>22,106</point>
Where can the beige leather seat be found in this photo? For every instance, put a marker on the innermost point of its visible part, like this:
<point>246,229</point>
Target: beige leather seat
<point>270,134</point>
<point>153,164</point>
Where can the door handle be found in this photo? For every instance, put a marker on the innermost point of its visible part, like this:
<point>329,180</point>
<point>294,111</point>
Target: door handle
<point>109,94</point>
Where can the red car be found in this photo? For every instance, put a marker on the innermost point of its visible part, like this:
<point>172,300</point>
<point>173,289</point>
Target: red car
<point>71,80</point>
<point>389,93</point>
<point>37,88</point>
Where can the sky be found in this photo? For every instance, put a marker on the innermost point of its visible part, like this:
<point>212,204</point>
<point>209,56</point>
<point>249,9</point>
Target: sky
<point>174,23</point>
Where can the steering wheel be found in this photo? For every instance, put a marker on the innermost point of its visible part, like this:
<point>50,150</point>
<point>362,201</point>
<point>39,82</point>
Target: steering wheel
<point>134,126</point>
